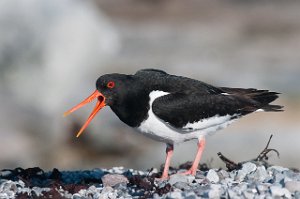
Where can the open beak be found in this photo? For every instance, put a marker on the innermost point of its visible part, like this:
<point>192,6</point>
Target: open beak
<point>100,104</point>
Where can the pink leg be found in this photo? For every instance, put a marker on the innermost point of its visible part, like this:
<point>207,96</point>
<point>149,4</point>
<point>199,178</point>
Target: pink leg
<point>193,169</point>
<point>169,152</point>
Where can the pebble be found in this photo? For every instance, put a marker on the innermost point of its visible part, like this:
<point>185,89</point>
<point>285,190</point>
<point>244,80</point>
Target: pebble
<point>182,185</point>
<point>278,191</point>
<point>181,178</point>
<point>260,174</point>
<point>248,194</point>
<point>215,191</point>
<point>232,194</point>
<point>223,174</point>
<point>174,195</point>
<point>278,169</point>
<point>112,180</point>
<point>212,176</point>
<point>247,168</point>
<point>293,186</point>
<point>189,195</point>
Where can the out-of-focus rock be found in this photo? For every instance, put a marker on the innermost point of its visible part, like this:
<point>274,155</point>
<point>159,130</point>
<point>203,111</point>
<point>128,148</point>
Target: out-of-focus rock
<point>112,180</point>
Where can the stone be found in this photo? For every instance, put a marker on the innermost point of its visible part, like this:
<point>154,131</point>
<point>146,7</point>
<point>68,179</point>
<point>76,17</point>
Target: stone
<point>247,168</point>
<point>248,194</point>
<point>232,194</point>
<point>182,185</point>
<point>214,193</point>
<point>297,195</point>
<point>293,186</point>
<point>223,174</point>
<point>281,192</point>
<point>262,188</point>
<point>277,169</point>
<point>77,196</point>
<point>189,195</point>
<point>112,180</point>
<point>292,175</point>
<point>229,182</point>
<point>174,195</point>
<point>279,177</point>
<point>181,178</point>
<point>200,175</point>
<point>212,176</point>
<point>107,192</point>
<point>260,174</point>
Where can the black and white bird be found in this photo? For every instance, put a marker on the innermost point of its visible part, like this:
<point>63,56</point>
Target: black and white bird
<point>174,109</point>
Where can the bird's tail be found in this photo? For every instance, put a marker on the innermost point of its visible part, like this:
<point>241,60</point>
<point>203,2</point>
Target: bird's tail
<point>262,97</point>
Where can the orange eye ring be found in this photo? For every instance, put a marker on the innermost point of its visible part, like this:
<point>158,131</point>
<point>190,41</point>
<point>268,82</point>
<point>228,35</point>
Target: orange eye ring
<point>110,84</point>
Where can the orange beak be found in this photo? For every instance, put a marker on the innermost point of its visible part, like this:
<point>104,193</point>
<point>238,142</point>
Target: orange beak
<point>100,104</point>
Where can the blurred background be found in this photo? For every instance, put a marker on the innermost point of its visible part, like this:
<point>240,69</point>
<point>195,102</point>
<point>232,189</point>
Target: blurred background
<point>52,52</point>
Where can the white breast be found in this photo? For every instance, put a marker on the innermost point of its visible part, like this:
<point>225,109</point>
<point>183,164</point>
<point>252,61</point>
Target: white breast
<point>159,130</point>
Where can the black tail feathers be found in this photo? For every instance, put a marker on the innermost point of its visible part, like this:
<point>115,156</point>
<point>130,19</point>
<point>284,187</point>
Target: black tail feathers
<point>264,97</point>
<point>260,98</point>
<point>272,108</point>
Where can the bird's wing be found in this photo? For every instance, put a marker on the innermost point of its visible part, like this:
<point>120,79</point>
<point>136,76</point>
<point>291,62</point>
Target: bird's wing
<point>190,112</point>
<point>150,71</point>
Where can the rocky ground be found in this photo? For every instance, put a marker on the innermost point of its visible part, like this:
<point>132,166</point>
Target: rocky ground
<point>251,180</point>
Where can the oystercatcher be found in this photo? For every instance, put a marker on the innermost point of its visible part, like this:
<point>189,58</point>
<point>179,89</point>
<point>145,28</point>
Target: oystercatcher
<point>174,109</point>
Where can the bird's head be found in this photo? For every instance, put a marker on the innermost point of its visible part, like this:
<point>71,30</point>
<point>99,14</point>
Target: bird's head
<point>109,89</point>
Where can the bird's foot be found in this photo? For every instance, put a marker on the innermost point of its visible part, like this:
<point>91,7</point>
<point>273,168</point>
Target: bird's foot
<point>191,171</point>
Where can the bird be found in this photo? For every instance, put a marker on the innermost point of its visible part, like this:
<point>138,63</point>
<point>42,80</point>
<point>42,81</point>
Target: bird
<point>174,109</point>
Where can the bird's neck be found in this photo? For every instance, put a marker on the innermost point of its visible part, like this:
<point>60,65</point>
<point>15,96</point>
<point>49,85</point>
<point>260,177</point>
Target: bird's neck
<point>133,108</point>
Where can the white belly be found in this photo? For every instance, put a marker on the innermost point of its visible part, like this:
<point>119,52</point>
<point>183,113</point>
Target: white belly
<point>159,130</point>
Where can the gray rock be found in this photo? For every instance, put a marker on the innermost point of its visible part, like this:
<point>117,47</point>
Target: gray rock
<point>297,195</point>
<point>200,175</point>
<point>277,169</point>
<point>77,196</point>
<point>281,192</point>
<point>292,175</point>
<point>201,190</point>
<point>239,188</point>
<point>279,177</point>
<point>248,194</point>
<point>247,168</point>
<point>112,180</point>
<point>174,195</point>
<point>260,174</point>
<point>201,181</point>
<point>229,182</point>
<point>181,178</point>
<point>189,195</point>
<point>293,186</point>
<point>232,174</point>
<point>156,196</point>
<point>182,185</point>
<point>107,192</point>
<point>232,194</point>
<point>223,174</point>
<point>212,176</point>
<point>215,191</point>
<point>262,188</point>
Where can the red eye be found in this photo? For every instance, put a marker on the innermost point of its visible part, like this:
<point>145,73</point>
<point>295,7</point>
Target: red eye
<point>110,84</point>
